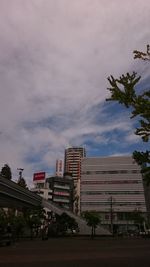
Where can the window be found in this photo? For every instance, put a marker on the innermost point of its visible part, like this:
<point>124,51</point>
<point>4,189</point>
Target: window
<point>112,182</point>
<point>110,172</point>
<point>100,203</point>
<point>111,192</point>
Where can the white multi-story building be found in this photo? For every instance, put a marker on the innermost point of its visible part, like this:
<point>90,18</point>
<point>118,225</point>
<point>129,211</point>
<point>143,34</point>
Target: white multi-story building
<point>57,189</point>
<point>113,187</point>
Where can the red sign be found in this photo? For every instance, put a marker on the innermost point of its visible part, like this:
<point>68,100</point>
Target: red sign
<point>38,176</point>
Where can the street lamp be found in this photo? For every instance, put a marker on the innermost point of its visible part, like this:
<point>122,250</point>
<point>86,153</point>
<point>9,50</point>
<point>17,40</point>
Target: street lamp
<point>20,172</point>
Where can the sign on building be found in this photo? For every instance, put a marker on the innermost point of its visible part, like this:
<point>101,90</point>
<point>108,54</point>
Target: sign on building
<point>39,176</point>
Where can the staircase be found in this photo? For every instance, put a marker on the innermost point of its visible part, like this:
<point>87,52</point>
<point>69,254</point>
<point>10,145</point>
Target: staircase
<point>84,229</point>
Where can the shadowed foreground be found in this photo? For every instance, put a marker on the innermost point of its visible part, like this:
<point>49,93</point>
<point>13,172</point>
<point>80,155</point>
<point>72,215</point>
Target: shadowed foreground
<point>77,252</point>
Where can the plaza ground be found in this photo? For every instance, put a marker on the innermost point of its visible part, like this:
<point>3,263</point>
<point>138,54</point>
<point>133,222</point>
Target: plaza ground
<point>77,251</point>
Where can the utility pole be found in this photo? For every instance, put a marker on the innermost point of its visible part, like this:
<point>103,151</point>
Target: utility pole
<point>111,214</point>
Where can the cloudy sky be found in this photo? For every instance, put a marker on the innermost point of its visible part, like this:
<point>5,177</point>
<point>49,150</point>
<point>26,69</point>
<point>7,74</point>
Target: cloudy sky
<point>55,57</point>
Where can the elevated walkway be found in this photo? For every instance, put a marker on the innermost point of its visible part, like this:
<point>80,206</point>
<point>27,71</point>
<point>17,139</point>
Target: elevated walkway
<point>83,228</point>
<point>13,195</point>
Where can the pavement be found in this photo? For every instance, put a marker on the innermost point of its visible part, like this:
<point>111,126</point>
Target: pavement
<point>77,252</point>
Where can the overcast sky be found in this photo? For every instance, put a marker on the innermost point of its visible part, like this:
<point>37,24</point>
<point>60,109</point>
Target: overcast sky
<point>55,57</point>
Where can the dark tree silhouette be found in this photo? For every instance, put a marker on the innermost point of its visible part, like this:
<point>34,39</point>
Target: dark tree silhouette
<point>6,172</point>
<point>92,219</point>
<point>22,182</point>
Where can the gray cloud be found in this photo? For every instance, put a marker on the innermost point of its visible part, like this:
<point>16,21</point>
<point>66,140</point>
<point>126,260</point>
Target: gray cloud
<point>55,56</point>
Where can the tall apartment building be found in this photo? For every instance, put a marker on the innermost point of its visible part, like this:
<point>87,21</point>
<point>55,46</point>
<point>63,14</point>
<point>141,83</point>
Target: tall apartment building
<point>72,165</point>
<point>113,187</point>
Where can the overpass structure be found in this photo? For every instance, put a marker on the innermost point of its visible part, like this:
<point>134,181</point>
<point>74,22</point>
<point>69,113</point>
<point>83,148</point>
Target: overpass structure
<point>13,195</point>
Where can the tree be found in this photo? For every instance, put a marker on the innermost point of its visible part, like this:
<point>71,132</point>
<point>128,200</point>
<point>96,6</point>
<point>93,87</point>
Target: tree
<point>123,90</point>
<point>70,222</point>
<point>22,182</point>
<point>34,219</point>
<point>17,224</point>
<point>92,219</point>
<point>3,219</point>
<point>6,172</point>
<point>64,223</point>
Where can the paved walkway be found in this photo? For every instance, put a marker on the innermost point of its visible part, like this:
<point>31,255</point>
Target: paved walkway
<point>72,252</point>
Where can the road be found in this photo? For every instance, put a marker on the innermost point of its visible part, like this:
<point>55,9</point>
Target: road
<point>76,252</point>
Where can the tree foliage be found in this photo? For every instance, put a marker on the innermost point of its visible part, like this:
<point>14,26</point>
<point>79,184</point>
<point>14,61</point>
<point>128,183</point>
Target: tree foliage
<point>65,223</point>
<point>3,219</point>
<point>21,181</point>
<point>123,90</point>
<point>6,172</point>
<point>92,219</point>
<point>34,218</point>
<point>142,55</point>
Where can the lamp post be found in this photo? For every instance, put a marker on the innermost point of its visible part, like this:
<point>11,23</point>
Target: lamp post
<point>20,172</point>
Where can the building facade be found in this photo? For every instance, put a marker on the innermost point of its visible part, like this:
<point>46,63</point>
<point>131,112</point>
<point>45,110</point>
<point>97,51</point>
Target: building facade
<point>62,191</point>
<point>59,190</point>
<point>113,187</point>
<point>72,165</point>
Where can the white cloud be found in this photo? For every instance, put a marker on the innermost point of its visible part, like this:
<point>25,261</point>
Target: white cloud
<point>132,138</point>
<point>54,61</point>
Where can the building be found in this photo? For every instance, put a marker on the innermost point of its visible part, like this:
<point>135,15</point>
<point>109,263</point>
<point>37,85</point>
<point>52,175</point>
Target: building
<point>59,190</point>
<point>62,191</point>
<point>113,187</point>
<point>59,167</point>
<point>72,165</point>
